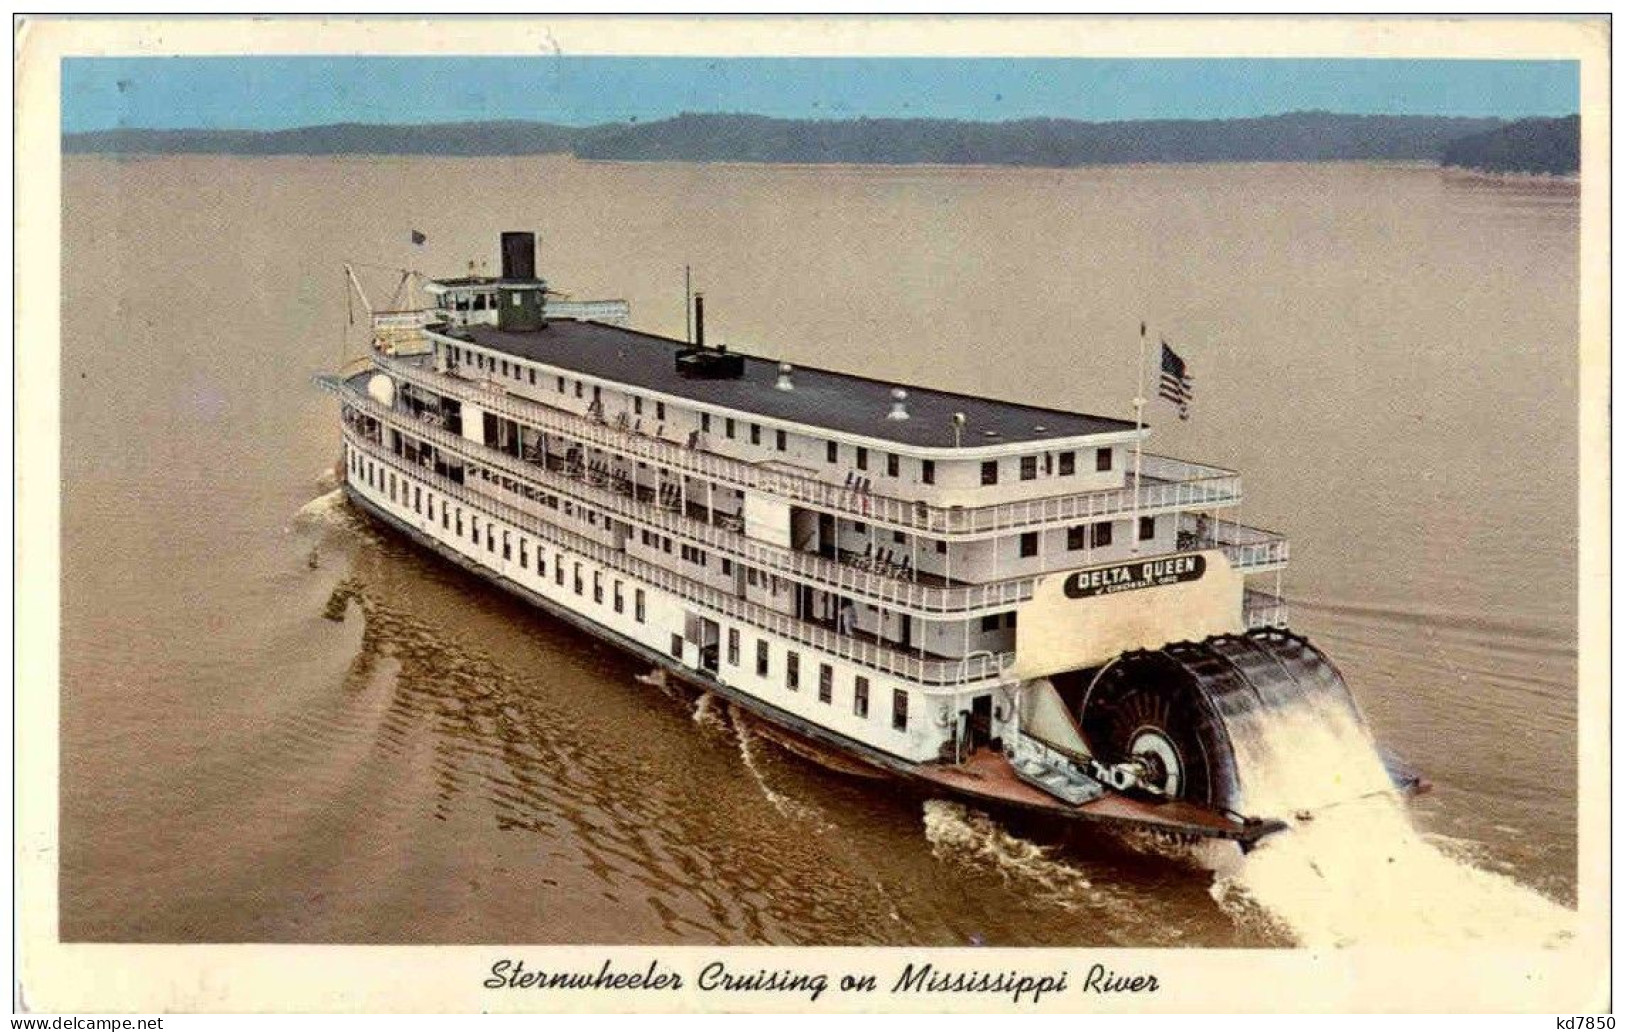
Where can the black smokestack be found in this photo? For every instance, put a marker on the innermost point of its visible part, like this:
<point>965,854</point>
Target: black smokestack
<point>699,319</point>
<point>519,256</point>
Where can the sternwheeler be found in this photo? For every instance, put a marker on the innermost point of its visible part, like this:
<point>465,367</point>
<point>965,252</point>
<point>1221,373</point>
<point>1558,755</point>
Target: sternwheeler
<point>1016,605</point>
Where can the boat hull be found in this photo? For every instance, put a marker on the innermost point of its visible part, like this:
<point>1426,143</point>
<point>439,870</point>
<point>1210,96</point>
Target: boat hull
<point>985,778</point>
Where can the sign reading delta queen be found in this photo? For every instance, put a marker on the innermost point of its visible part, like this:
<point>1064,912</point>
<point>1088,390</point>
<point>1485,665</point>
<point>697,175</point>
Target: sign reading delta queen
<point>1132,576</point>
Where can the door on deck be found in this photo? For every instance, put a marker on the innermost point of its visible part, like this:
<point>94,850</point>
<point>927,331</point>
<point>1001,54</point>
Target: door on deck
<point>981,721</point>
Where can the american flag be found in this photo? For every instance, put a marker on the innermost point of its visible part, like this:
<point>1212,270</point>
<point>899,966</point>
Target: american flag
<point>1176,383</point>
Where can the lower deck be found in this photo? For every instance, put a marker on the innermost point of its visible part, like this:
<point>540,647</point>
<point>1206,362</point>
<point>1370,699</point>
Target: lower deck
<point>883,722</point>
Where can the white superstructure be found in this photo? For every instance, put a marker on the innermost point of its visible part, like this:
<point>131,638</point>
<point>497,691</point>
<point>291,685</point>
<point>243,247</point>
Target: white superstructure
<point>888,565</point>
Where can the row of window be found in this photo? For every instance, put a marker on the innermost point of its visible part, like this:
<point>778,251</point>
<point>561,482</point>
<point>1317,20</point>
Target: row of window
<point>826,680</point>
<point>1063,464</point>
<point>1091,535</point>
<point>451,517</point>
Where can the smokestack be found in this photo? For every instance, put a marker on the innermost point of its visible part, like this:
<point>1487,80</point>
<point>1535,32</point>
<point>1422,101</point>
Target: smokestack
<point>699,320</point>
<point>519,256</point>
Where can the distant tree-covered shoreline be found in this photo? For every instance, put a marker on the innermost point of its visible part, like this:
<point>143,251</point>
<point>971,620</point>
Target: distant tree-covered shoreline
<point>1048,143</point>
<point>1542,146</point>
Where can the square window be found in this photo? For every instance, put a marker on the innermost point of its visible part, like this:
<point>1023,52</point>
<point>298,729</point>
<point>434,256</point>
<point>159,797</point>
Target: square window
<point>1074,538</point>
<point>1100,535</point>
<point>990,622</point>
<point>1103,459</point>
<point>990,472</point>
<point>1029,544</point>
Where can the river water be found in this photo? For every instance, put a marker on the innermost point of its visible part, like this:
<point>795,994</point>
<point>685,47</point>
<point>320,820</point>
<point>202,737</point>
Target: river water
<point>282,725</point>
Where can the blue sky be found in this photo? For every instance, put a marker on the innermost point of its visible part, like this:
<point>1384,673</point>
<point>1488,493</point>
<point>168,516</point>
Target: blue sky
<point>281,92</point>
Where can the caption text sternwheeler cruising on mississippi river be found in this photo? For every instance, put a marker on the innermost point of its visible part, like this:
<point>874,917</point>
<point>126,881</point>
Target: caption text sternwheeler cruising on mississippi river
<point>1015,605</point>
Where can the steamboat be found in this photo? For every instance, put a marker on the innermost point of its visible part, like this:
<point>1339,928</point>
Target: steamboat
<point>1019,606</point>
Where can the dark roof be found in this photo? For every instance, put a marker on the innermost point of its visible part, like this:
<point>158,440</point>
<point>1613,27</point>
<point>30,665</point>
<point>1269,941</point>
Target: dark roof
<point>838,401</point>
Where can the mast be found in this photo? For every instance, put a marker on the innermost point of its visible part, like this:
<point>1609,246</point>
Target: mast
<point>1139,438</point>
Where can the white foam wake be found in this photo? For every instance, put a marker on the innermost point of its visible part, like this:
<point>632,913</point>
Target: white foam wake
<point>323,508</point>
<point>1357,871</point>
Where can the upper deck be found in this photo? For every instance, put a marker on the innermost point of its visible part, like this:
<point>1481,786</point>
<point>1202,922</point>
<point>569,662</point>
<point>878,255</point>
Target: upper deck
<point>844,403</point>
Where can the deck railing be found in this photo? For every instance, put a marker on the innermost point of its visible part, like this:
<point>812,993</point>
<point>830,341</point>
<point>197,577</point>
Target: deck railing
<point>903,595</point>
<point>1261,609</point>
<point>1251,549</point>
<point>1165,484</point>
<point>971,670</point>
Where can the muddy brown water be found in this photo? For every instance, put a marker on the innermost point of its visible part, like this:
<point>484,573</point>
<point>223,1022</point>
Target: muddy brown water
<point>380,748</point>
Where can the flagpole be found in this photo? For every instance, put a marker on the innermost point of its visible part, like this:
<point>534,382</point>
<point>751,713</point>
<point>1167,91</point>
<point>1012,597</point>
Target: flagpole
<point>1139,435</point>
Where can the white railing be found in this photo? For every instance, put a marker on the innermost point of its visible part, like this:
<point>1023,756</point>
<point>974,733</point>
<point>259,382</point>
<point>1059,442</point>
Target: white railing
<point>1261,609</point>
<point>1166,484</point>
<point>905,596</point>
<point>617,313</point>
<point>401,333</point>
<point>1251,549</point>
<point>971,670</point>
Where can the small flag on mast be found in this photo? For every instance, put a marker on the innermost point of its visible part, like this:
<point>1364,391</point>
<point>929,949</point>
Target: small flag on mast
<point>1176,383</point>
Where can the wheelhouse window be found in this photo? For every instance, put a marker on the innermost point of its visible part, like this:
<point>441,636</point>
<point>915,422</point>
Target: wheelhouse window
<point>1068,463</point>
<point>1103,459</point>
<point>832,451</point>
<point>1029,467</point>
<point>990,472</point>
<point>928,471</point>
<point>863,458</point>
<point>891,465</point>
<point>779,440</point>
<point>755,433</point>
